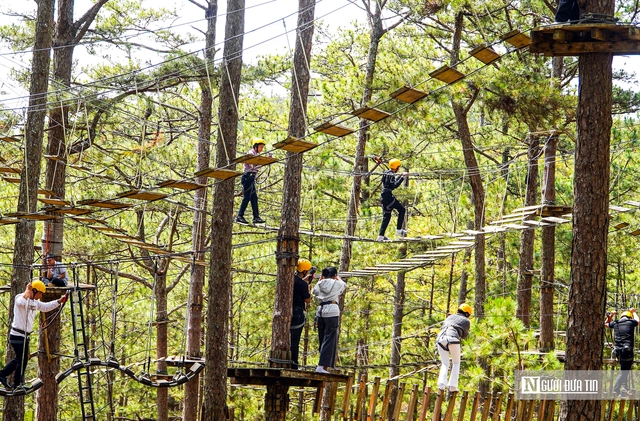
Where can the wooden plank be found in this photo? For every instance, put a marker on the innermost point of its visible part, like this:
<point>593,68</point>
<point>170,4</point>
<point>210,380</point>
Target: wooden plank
<point>181,184</point>
<point>11,180</point>
<point>255,159</point>
<point>599,34</point>
<point>218,173</point>
<point>74,211</point>
<point>411,409</point>
<point>5,169</point>
<point>619,208</point>
<point>107,204</point>
<point>447,74</point>
<point>31,216</point>
<point>474,407</point>
<point>450,405</point>
<point>577,48</point>
<point>371,413</point>
<point>398,403</point>
<point>8,221</point>
<point>371,114</point>
<point>385,400</point>
<point>54,202</point>
<point>562,35</point>
<point>142,195</point>
<point>9,139</point>
<point>408,95</point>
<point>463,406</point>
<point>317,404</point>
<point>425,403</point>
<point>360,398</point>
<point>337,130</point>
<point>485,54</point>
<point>438,405</point>
<point>516,38</point>
<point>292,144</point>
<point>347,398</point>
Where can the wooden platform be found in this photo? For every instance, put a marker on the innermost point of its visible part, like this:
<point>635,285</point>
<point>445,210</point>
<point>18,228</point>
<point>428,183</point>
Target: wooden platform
<point>585,38</point>
<point>282,376</point>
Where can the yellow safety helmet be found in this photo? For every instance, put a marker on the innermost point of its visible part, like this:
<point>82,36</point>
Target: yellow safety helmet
<point>394,163</point>
<point>627,314</point>
<point>466,308</point>
<point>257,141</point>
<point>303,265</point>
<point>39,286</point>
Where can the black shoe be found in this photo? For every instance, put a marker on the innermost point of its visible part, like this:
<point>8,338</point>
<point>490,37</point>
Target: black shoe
<point>3,380</point>
<point>258,220</point>
<point>241,220</point>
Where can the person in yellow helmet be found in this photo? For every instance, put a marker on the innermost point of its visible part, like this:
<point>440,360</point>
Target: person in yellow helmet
<point>24,311</point>
<point>248,181</point>
<point>454,329</point>
<point>389,202</point>
<point>301,298</point>
<point>623,339</point>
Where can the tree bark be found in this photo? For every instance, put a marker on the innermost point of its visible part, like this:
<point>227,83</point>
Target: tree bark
<point>277,398</point>
<point>547,277</point>
<point>527,237</point>
<point>29,180</point>
<point>590,219</point>
<point>199,231</point>
<point>376,33</point>
<point>214,405</point>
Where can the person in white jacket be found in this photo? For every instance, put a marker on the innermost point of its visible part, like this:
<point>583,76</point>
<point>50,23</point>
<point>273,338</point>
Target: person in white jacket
<point>24,311</point>
<point>328,291</point>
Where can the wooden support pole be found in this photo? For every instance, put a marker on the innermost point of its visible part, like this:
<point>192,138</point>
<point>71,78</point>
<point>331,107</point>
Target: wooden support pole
<point>463,406</point>
<point>486,407</point>
<point>347,398</point>
<point>385,400</point>
<point>632,404</point>
<point>425,403</point>
<point>317,404</point>
<point>438,405</point>
<point>397,405</point>
<point>541,408</point>
<point>611,406</point>
<point>333,389</point>
<point>371,413</point>
<point>507,411</point>
<point>530,405</point>
<point>474,408</point>
<point>411,410</point>
<point>497,407</point>
<point>451,403</point>
<point>550,411</point>
<point>360,398</point>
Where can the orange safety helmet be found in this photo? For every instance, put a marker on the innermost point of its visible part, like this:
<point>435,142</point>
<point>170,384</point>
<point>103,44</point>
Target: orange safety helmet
<point>394,163</point>
<point>466,308</point>
<point>303,265</point>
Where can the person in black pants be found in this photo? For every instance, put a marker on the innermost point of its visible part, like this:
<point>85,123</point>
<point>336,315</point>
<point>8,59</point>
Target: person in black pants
<point>24,311</point>
<point>389,202</point>
<point>624,332</point>
<point>249,194</point>
<point>568,10</point>
<point>301,297</point>
<point>328,291</point>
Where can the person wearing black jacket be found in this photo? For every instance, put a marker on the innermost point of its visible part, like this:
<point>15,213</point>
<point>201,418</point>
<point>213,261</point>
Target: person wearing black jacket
<point>389,202</point>
<point>301,298</point>
<point>624,332</point>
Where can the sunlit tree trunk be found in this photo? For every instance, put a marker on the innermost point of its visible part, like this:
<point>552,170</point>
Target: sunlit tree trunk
<point>214,405</point>
<point>199,231</point>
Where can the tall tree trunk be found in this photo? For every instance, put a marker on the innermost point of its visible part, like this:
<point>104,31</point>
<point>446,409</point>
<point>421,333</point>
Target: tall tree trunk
<point>590,218</point>
<point>547,277</point>
<point>199,232</point>
<point>396,336</point>
<point>277,398</point>
<point>162,337</point>
<point>376,32</point>
<point>527,237</point>
<point>29,180</point>
<point>214,406</point>
<point>477,190</point>
<point>67,35</point>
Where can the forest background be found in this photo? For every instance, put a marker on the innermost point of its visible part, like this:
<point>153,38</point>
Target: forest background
<point>134,119</point>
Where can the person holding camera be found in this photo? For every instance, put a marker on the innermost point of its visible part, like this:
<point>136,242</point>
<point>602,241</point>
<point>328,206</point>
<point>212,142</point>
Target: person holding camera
<point>328,291</point>
<point>301,298</point>
<point>24,311</point>
<point>624,332</point>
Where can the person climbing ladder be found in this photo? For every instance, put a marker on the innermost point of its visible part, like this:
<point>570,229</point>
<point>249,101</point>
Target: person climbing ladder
<point>248,181</point>
<point>389,202</point>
